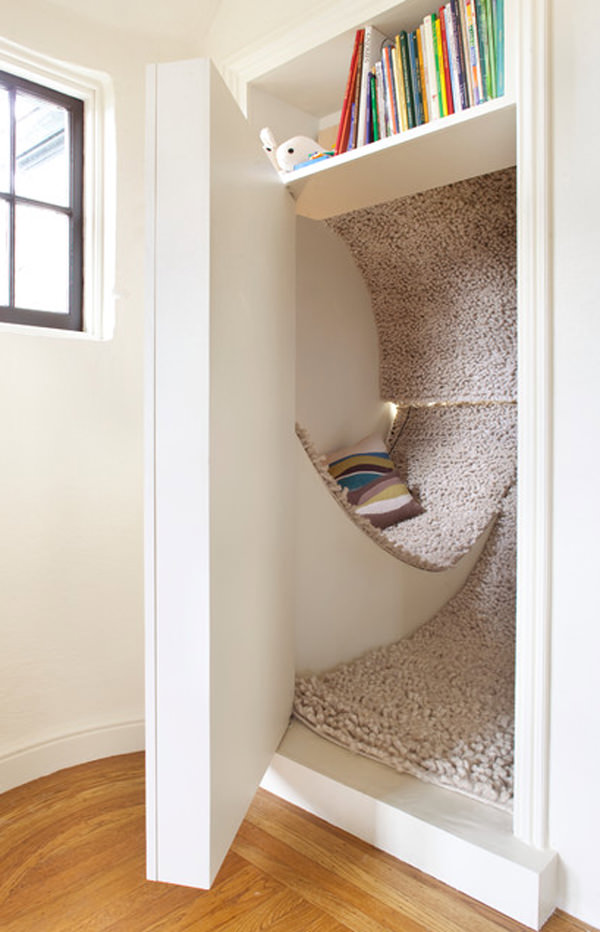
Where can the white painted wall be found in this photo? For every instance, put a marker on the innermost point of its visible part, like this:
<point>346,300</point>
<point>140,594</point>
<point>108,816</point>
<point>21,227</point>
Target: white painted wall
<point>71,624</point>
<point>575,729</point>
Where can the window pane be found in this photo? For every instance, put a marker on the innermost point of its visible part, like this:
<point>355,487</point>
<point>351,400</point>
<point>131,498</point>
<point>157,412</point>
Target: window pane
<point>4,251</point>
<point>4,140</point>
<point>41,259</point>
<point>42,162</point>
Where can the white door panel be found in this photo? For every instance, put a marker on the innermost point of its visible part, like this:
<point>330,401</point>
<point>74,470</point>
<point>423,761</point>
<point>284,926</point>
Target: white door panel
<point>220,387</point>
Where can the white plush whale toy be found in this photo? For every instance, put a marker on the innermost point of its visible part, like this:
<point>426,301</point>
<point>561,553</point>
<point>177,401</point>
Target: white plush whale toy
<point>290,153</point>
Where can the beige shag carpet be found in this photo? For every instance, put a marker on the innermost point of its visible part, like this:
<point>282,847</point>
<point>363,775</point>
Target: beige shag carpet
<point>439,704</point>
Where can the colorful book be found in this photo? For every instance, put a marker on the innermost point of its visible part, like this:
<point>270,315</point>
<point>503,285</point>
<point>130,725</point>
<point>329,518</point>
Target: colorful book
<point>374,108</point>
<point>500,47</point>
<point>473,51</point>
<point>408,89</point>
<point>373,44</point>
<point>464,29</point>
<point>482,41</point>
<point>439,65</point>
<point>422,74</point>
<point>491,41</point>
<point>415,79</point>
<point>384,129</point>
<point>391,88</point>
<point>446,59</point>
<point>431,78</point>
<point>352,136</point>
<point>459,66</point>
<point>341,141</point>
<point>400,92</point>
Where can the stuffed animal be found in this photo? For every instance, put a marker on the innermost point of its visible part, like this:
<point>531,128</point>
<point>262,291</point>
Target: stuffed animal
<point>291,153</point>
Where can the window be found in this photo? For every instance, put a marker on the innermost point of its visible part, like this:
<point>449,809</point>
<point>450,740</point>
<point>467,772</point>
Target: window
<point>41,205</point>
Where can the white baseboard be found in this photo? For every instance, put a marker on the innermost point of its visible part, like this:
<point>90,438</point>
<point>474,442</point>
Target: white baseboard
<point>464,843</point>
<point>38,760</point>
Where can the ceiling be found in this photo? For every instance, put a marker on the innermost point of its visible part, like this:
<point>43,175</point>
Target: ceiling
<point>169,19</point>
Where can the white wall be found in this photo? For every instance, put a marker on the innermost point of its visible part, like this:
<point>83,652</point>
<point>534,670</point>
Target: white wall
<point>71,626</point>
<point>575,734</point>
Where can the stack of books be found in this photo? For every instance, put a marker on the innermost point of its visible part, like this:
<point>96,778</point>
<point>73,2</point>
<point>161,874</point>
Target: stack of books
<point>452,61</point>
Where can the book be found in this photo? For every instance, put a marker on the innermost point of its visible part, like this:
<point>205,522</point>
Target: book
<point>374,108</point>
<point>341,141</point>
<point>431,78</point>
<point>399,78</point>
<point>473,51</point>
<point>356,96</point>
<point>422,75</point>
<point>482,41</point>
<point>462,95</point>
<point>384,129</point>
<point>491,42</point>
<point>446,60</point>
<point>388,72</point>
<point>415,78</point>
<point>439,67</point>
<point>464,30</point>
<point>373,45</point>
<point>410,105</point>
<point>500,47</point>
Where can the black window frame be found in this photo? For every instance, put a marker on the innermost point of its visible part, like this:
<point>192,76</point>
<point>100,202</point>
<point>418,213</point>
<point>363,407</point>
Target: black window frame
<point>73,320</point>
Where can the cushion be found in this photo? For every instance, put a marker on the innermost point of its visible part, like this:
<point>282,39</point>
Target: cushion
<point>385,501</point>
<point>355,466</point>
<point>374,486</point>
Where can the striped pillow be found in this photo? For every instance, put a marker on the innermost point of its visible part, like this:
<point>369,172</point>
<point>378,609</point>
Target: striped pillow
<point>385,501</point>
<point>353,467</point>
<point>374,486</point>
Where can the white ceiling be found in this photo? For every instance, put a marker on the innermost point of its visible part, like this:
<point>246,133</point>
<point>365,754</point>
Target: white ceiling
<point>169,19</point>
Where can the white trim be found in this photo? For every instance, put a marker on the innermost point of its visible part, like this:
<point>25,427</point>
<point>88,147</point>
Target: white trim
<point>534,552</point>
<point>151,665</point>
<point>95,90</point>
<point>37,760</point>
<point>402,816</point>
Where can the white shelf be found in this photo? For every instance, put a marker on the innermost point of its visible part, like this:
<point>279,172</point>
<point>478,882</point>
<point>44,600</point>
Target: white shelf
<point>473,142</point>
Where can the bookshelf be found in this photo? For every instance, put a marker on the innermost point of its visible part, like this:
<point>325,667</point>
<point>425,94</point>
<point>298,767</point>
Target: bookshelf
<point>474,141</point>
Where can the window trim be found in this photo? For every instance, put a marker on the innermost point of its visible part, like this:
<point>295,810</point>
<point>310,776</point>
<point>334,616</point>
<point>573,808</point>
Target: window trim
<point>73,319</point>
<point>95,90</point>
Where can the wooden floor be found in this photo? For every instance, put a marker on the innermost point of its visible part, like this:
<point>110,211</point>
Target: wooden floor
<point>72,860</point>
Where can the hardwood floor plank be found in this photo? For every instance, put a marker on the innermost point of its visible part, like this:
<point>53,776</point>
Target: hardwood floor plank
<point>73,860</point>
<point>334,895</point>
<point>401,888</point>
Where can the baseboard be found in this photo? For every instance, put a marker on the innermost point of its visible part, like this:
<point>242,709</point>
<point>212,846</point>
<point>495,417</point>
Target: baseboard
<point>464,843</point>
<point>38,760</point>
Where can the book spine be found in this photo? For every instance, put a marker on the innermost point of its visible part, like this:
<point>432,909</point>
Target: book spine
<point>500,65</point>
<point>389,74</point>
<point>383,123</point>
<point>362,97</point>
<point>434,104</point>
<point>460,61</point>
<point>368,134</point>
<point>343,128</point>
<point>491,40</point>
<point>414,75</point>
<point>422,74</point>
<point>464,30</point>
<point>374,108</point>
<point>352,136</point>
<point>400,85</point>
<point>473,52</point>
<point>446,60</point>
<point>410,105</point>
<point>439,65</point>
<point>481,25</point>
